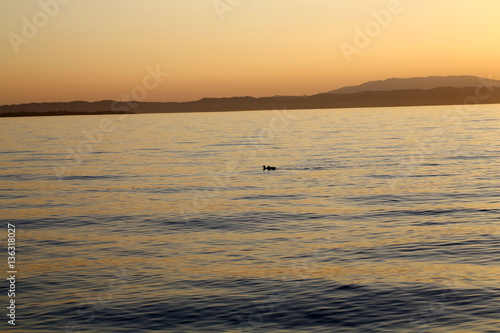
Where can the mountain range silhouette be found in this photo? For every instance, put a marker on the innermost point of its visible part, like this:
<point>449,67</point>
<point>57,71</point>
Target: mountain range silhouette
<point>421,91</point>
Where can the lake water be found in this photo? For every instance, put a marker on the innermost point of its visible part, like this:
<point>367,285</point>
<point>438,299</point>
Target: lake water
<point>376,220</point>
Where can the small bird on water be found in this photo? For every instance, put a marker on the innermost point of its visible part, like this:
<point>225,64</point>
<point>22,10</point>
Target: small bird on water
<point>268,167</point>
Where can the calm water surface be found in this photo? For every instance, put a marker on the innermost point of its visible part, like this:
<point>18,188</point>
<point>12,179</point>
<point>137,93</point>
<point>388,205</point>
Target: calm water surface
<point>376,220</point>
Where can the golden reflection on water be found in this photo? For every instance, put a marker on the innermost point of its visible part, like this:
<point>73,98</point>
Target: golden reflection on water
<point>327,213</point>
<point>258,255</point>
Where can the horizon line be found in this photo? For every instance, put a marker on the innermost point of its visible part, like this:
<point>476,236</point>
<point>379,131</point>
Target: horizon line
<point>275,96</point>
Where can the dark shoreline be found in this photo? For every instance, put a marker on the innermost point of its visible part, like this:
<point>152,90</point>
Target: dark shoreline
<point>57,113</point>
<point>367,99</point>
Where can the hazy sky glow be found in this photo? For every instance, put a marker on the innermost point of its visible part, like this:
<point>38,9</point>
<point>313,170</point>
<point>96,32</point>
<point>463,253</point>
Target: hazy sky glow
<point>99,49</point>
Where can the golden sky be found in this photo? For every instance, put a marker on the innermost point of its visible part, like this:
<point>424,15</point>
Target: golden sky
<point>64,50</point>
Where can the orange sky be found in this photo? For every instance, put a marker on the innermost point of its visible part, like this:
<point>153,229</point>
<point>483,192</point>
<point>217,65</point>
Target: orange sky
<point>64,50</point>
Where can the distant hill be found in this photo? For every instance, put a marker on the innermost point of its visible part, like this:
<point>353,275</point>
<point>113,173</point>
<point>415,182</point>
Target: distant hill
<point>410,97</point>
<point>387,93</point>
<point>430,82</point>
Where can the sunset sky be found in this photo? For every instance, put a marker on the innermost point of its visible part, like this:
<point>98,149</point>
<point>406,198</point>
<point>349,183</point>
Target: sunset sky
<point>100,49</point>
